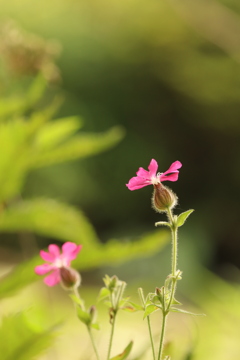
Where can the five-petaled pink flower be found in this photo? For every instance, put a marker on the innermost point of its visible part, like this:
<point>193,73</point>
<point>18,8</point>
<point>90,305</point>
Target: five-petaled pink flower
<point>151,177</point>
<point>56,260</point>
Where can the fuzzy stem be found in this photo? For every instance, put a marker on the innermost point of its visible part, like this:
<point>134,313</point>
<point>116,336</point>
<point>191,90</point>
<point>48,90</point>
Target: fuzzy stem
<point>165,310</point>
<point>174,242</point>
<point>164,318</point>
<point>75,291</point>
<point>111,336</point>
<point>140,291</point>
<point>93,342</point>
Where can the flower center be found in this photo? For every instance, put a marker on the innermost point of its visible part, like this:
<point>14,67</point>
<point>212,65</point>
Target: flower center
<point>59,263</point>
<point>156,179</point>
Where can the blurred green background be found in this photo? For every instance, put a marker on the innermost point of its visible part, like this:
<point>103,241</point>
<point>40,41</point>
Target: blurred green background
<point>167,74</point>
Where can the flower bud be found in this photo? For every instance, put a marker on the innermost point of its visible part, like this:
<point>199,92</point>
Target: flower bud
<point>113,283</point>
<point>163,198</point>
<point>92,312</point>
<point>70,278</point>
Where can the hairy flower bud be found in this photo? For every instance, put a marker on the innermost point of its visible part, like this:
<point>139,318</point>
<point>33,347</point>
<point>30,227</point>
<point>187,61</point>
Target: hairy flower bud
<point>163,198</point>
<point>92,312</point>
<point>70,278</point>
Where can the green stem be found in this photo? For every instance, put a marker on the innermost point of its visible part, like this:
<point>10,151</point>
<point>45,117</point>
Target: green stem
<point>93,343</point>
<point>165,310</point>
<point>140,291</point>
<point>151,337</point>
<point>174,242</point>
<point>162,336</point>
<point>75,291</point>
<point>111,337</point>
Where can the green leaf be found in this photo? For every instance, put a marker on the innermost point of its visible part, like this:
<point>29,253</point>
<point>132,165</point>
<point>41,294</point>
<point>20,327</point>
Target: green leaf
<point>176,302</point>
<point>183,217</point>
<point>83,316</point>
<point>49,218</point>
<point>76,300</point>
<point>149,310</point>
<point>135,307</point>
<point>95,326</point>
<point>13,159</point>
<point>184,312</point>
<point>18,105</point>
<point>123,301</point>
<point>125,353</point>
<point>21,341</point>
<point>55,132</point>
<point>79,146</point>
<point>103,294</point>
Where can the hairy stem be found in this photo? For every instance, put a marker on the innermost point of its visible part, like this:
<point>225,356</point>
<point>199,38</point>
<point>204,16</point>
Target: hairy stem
<point>140,291</point>
<point>164,318</point>
<point>111,336</point>
<point>93,342</point>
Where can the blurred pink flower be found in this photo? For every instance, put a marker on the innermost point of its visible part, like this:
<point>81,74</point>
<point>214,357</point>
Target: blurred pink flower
<point>151,177</point>
<point>55,260</point>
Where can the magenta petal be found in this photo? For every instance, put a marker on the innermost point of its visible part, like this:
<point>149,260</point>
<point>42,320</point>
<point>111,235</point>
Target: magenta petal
<point>171,177</point>
<point>153,166</point>
<point>43,269</point>
<point>175,166</point>
<point>46,256</point>
<point>136,183</point>
<point>54,250</point>
<point>53,278</point>
<point>143,173</point>
<point>70,250</point>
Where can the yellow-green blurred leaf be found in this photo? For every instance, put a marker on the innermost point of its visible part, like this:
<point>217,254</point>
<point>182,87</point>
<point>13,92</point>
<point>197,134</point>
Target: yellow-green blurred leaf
<point>79,146</point>
<point>125,353</point>
<point>55,132</point>
<point>49,218</point>
<point>20,341</point>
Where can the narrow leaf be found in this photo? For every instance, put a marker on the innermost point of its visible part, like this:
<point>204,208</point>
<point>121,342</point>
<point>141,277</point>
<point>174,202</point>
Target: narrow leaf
<point>162,223</point>
<point>184,311</point>
<point>125,353</point>
<point>176,302</point>
<point>136,306</point>
<point>76,300</point>
<point>183,217</point>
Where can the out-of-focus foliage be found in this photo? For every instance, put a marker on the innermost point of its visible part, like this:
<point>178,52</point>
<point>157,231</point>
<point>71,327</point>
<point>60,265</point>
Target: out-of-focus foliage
<point>33,142</point>
<point>21,340</point>
<point>169,73</point>
<point>96,255</point>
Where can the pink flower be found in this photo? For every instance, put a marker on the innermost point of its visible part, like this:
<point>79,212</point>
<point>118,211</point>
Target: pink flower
<point>151,177</point>
<point>55,260</point>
